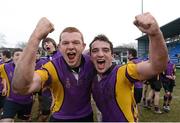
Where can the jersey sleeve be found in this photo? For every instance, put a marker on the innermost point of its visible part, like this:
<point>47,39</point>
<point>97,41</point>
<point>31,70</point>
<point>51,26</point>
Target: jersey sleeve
<point>4,76</point>
<point>2,71</point>
<point>44,74</point>
<point>131,73</point>
<point>1,67</point>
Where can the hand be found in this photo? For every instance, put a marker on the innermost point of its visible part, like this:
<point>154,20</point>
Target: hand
<point>147,24</point>
<point>174,77</point>
<point>43,28</point>
<point>4,92</point>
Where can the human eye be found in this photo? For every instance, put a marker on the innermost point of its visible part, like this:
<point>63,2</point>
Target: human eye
<point>65,43</point>
<point>94,50</point>
<point>76,42</point>
<point>106,50</point>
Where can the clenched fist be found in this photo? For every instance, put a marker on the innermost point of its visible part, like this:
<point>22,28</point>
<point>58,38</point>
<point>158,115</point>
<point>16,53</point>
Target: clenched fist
<point>147,24</point>
<point>43,28</point>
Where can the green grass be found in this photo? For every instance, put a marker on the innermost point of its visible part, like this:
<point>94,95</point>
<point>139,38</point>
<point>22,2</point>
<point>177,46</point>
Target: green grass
<point>173,115</point>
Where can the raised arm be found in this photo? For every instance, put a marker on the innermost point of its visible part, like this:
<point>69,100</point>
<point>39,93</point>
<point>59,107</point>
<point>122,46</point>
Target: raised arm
<point>25,80</point>
<point>158,53</point>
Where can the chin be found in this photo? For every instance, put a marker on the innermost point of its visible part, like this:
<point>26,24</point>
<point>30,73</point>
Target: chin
<point>100,71</point>
<point>71,64</point>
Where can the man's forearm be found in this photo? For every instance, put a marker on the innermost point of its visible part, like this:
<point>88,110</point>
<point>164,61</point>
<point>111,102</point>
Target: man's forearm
<point>158,52</point>
<point>24,71</point>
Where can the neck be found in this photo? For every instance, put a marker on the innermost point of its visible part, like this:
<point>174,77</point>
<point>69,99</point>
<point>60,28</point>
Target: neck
<point>107,71</point>
<point>79,62</point>
<point>50,53</point>
<point>6,60</point>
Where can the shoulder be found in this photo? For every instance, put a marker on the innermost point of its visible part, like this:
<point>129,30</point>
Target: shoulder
<point>48,64</point>
<point>129,70</point>
<point>86,57</point>
<point>1,67</point>
<point>9,64</point>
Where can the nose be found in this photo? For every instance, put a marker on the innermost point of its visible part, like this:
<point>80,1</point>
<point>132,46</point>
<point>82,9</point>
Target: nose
<point>100,53</point>
<point>45,44</point>
<point>70,46</point>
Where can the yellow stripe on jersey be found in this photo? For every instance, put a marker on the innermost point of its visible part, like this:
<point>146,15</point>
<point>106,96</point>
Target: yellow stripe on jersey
<point>55,85</point>
<point>4,76</point>
<point>124,90</point>
<point>43,75</point>
<point>130,62</point>
<point>1,67</point>
<point>132,71</point>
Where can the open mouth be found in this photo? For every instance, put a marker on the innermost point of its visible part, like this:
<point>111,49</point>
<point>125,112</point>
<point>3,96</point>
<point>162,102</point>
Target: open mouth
<point>101,64</point>
<point>71,55</point>
<point>47,48</point>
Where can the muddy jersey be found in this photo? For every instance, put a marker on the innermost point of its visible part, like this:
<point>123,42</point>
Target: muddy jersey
<point>70,89</point>
<point>113,93</point>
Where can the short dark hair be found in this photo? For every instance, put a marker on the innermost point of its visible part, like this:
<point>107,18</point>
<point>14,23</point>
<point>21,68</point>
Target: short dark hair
<point>133,52</point>
<point>49,39</point>
<point>103,38</point>
<point>70,30</point>
<point>6,53</point>
<point>16,50</point>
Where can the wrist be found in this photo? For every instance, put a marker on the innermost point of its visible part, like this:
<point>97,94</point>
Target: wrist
<point>156,33</point>
<point>35,39</point>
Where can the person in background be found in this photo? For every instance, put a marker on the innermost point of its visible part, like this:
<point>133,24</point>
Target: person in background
<point>5,58</point>
<point>113,85</point>
<point>146,88</point>
<point>154,93</point>
<point>45,97</point>
<point>168,81</point>
<point>50,47</point>
<point>39,62</point>
<point>3,92</point>
<point>15,103</point>
<point>138,85</point>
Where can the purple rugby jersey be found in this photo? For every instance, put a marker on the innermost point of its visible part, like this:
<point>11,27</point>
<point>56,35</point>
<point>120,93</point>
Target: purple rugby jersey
<point>104,96</point>
<point>40,62</point>
<point>54,55</point>
<point>107,94</point>
<point>25,99</point>
<point>170,69</point>
<point>1,85</point>
<point>77,92</point>
<point>138,84</point>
